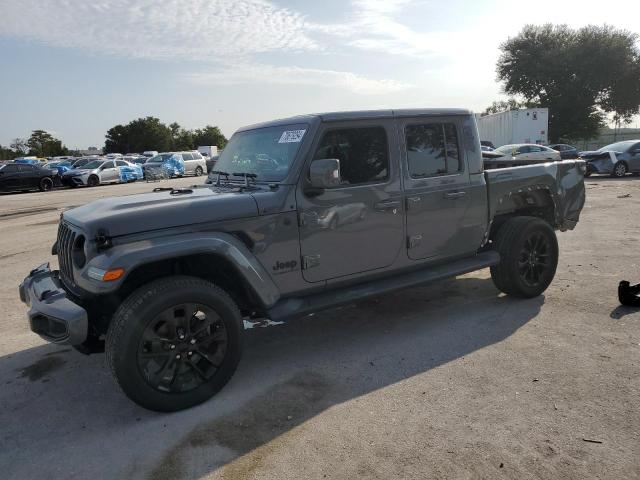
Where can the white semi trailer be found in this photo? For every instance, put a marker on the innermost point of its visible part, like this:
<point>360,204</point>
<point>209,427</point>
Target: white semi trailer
<point>530,125</point>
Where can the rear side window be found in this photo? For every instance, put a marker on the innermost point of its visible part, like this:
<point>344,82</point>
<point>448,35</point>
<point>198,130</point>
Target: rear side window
<point>187,156</point>
<point>108,165</point>
<point>10,168</point>
<point>432,149</point>
<point>363,153</point>
<point>121,163</point>
<point>25,168</point>
<point>197,156</point>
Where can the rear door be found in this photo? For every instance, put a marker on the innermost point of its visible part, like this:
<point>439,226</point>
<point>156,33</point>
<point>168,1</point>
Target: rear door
<point>437,188</point>
<point>10,177</point>
<point>189,163</point>
<point>357,226</point>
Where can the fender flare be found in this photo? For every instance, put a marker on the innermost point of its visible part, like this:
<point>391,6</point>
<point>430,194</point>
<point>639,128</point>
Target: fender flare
<point>138,253</point>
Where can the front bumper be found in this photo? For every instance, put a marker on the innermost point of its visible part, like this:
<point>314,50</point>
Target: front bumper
<point>73,181</point>
<point>52,315</point>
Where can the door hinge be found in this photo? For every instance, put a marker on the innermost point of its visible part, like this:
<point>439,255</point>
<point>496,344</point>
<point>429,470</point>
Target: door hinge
<point>414,241</point>
<point>310,261</point>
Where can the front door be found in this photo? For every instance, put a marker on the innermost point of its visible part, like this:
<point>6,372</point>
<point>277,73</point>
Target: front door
<point>442,220</point>
<point>357,226</point>
<point>109,172</point>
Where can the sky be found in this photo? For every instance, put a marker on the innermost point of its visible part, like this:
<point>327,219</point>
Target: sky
<point>76,68</point>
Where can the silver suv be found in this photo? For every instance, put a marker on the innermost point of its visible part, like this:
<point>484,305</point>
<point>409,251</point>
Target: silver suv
<point>194,163</point>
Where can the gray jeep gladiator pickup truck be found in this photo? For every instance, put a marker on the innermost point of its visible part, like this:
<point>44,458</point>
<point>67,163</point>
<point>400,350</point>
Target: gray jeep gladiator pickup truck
<point>301,215</point>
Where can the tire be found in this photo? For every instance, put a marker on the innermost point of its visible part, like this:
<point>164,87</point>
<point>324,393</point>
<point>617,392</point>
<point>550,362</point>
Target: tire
<point>93,181</point>
<point>136,361</point>
<point>198,171</point>
<point>619,170</point>
<point>587,174</point>
<point>528,250</point>
<point>46,184</point>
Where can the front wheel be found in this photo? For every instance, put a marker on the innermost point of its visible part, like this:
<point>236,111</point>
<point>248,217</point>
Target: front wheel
<point>93,181</point>
<point>619,170</point>
<point>528,250</point>
<point>174,343</point>
<point>46,184</point>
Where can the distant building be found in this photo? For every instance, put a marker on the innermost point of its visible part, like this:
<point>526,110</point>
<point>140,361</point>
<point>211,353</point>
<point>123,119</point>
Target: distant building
<point>91,151</point>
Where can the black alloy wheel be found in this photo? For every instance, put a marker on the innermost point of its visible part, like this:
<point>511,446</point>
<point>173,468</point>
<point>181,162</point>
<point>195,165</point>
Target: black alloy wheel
<point>182,348</point>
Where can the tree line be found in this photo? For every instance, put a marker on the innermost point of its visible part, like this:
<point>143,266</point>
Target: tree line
<point>137,136</point>
<point>150,133</point>
<point>584,76</point>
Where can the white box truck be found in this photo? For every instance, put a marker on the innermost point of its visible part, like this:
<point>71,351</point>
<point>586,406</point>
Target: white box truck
<point>530,125</point>
<point>209,151</point>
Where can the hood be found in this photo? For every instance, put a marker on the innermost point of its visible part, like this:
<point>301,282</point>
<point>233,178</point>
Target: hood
<point>160,210</point>
<point>593,155</point>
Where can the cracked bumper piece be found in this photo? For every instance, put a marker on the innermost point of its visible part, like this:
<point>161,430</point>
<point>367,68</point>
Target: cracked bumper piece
<point>52,315</point>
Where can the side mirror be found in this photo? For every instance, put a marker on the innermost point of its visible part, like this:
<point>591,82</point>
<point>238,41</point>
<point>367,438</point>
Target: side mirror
<point>325,173</point>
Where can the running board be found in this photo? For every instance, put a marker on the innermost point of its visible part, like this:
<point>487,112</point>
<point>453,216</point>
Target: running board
<point>289,308</point>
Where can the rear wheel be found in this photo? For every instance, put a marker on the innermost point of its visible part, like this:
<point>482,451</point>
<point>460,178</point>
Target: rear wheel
<point>174,343</point>
<point>198,171</point>
<point>619,170</point>
<point>528,250</point>
<point>46,184</point>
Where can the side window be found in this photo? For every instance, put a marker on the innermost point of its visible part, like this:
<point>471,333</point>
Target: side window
<point>187,156</point>
<point>108,165</point>
<point>535,149</point>
<point>197,156</point>
<point>432,149</point>
<point>524,149</point>
<point>25,168</point>
<point>363,153</point>
<point>10,168</point>
<point>121,163</point>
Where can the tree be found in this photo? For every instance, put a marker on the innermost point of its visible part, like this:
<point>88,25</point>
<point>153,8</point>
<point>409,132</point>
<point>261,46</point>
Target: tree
<point>43,144</point>
<point>580,75</point>
<point>19,145</point>
<point>139,135</point>
<point>209,136</point>
<point>181,139</point>
<point>503,106</point>
<point>7,153</point>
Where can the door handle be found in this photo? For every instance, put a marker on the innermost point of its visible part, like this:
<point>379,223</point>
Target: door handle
<point>387,204</point>
<point>454,195</point>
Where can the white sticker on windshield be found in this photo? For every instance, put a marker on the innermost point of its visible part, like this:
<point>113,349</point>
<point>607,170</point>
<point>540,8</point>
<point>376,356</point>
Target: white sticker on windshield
<point>292,136</point>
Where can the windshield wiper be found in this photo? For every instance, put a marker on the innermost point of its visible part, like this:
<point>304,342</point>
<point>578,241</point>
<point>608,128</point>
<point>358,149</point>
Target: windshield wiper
<point>246,176</point>
<point>220,173</point>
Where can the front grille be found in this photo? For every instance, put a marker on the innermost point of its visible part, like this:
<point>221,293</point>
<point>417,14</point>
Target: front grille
<point>66,237</point>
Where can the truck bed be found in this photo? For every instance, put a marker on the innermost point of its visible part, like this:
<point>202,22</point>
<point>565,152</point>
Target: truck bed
<point>553,185</point>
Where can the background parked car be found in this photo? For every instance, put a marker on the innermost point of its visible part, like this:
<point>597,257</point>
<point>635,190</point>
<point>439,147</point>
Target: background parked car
<point>566,151</point>
<point>211,163</point>
<point>616,159</point>
<point>194,163</point>
<point>27,160</point>
<point>129,171</point>
<point>486,148</point>
<point>164,165</point>
<point>487,143</point>
<point>530,152</point>
<point>92,174</point>
<point>23,176</point>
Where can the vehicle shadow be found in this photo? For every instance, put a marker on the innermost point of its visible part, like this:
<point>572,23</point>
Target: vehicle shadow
<point>59,406</point>
<point>622,311</point>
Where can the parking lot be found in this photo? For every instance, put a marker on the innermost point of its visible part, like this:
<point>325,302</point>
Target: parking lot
<point>452,380</point>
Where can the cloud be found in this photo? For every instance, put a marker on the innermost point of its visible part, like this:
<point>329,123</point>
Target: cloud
<point>168,29</point>
<point>252,73</point>
<point>372,26</point>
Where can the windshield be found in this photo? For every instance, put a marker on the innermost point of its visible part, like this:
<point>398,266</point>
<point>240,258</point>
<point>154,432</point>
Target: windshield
<point>266,152</point>
<point>618,147</point>
<point>91,165</point>
<point>160,158</point>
